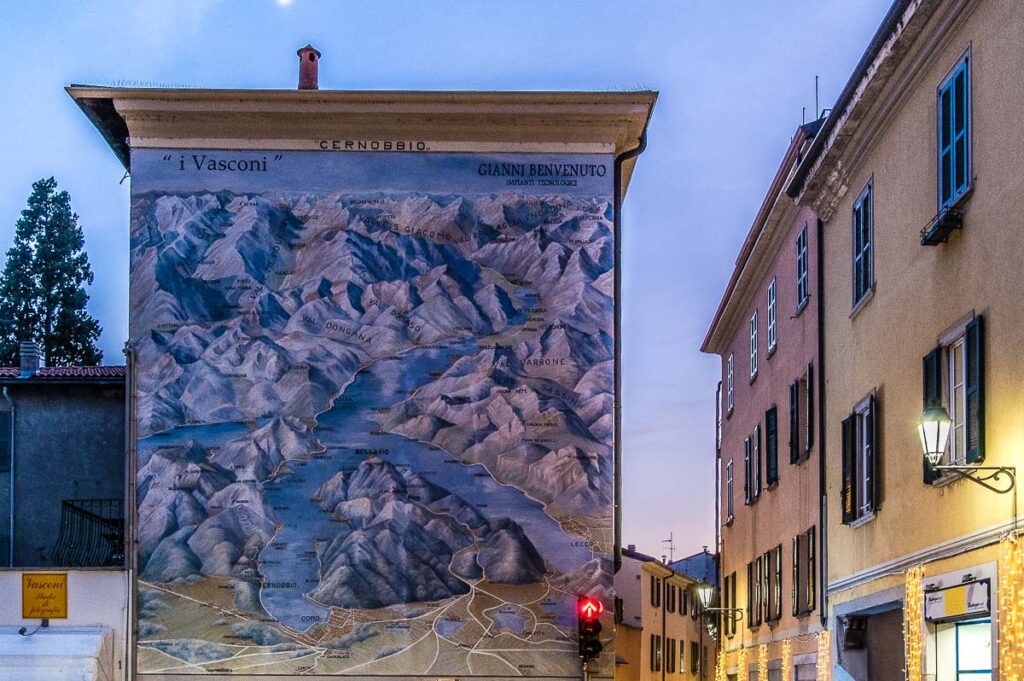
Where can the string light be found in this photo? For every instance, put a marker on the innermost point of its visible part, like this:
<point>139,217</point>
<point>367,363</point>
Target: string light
<point>824,653</point>
<point>787,660</point>
<point>720,674</point>
<point>1011,608</point>
<point>913,606</point>
<point>762,661</point>
<point>741,664</point>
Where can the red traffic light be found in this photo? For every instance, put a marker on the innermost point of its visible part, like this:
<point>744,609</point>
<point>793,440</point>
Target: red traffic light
<point>590,608</point>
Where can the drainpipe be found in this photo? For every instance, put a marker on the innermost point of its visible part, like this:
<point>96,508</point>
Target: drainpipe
<point>10,494</point>
<point>617,329</point>
<point>131,530</point>
<point>822,480</point>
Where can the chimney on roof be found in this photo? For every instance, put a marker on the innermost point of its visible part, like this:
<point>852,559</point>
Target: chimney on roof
<point>28,352</point>
<point>309,61</point>
<point>631,547</point>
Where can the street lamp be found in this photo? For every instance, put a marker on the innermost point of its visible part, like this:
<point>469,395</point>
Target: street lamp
<point>706,593</point>
<point>933,427</point>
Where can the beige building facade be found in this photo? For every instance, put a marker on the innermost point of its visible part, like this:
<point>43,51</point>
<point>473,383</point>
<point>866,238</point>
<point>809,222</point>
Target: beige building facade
<point>675,644</point>
<point>916,176</point>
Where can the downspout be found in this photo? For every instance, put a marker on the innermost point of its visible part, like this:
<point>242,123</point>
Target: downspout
<point>10,495</point>
<point>822,480</point>
<point>131,530</point>
<point>617,329</point>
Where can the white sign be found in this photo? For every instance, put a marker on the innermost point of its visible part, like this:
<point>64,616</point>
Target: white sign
<point>958,602</point>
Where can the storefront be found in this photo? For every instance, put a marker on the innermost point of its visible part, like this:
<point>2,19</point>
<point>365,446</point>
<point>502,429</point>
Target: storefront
<point>961,625</point>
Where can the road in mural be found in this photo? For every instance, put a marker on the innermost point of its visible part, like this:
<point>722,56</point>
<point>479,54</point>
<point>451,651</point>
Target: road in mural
<point>374,410</point>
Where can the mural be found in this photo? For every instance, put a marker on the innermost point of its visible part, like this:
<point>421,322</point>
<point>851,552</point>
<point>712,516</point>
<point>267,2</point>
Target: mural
<point>374,410</point>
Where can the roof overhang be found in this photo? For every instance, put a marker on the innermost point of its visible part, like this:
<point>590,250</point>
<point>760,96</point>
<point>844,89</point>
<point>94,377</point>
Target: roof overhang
<point>568,122</point>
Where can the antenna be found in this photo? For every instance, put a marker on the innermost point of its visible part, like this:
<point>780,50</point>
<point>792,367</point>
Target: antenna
<point>817,111</point>
<point>671,548</point>
<point>803,115</point>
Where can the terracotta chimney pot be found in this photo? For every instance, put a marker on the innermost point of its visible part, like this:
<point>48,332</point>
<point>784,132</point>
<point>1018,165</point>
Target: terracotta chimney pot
<point>309,60</point>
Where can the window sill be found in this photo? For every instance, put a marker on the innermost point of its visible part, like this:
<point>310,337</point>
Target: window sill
<point>801,307</point>
<point>862,303</point>
<point>753,377</point>
<point>771,351</point>
<point>863,520</point>
<point>772,485</point>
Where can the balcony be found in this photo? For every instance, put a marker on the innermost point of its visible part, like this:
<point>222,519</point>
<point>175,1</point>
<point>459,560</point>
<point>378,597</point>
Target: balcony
<point>91,533</point>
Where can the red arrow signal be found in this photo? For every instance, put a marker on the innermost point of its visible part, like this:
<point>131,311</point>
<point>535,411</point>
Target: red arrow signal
<point>590,608</point>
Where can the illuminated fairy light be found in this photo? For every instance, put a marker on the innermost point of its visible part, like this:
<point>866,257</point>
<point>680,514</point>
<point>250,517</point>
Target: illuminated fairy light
<point>741,664</point>
<point>762,661</point>
<point>1011,607</point>
<point>913,608</point>
<point>824,653</point>
<point>720,672</point>
<point>787,660</point>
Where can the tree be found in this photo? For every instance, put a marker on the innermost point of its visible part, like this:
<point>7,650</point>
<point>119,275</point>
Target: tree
<point>42,287</point>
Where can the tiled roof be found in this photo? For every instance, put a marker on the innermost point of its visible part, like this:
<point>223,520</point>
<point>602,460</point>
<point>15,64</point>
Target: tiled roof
<point>79,373</point>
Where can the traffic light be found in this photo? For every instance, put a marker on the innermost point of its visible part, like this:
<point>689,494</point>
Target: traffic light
<point>588,610</point>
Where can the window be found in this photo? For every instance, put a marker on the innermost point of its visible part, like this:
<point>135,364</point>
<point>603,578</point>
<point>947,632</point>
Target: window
<point>804,576</point>
<point>775,606</point>
<point>771,444</point>
<point>771,316</point>
<point>718,417</point>
<point>730,393</point>
<point>728,492</point>
<point>670,597</point>
<point>756,614</point>
<point>803,290</point>
<point>953,377</point>
<point>682,647</point>
<point>655,592</point>
<point>757,461</point>
<point>748,487</point>
<point>694,656</point>
<point>727,603</point>
<point>655,653</point>
<point>733,603</point>
<point>753,345</point>
<point>863,275</point>
<point>859,469</point>
<point>766,588</point>
<point>683,611</point>
<point>954,134</point>
<point>801,416</point>
<point>670,655</point>
<point>751,610</point>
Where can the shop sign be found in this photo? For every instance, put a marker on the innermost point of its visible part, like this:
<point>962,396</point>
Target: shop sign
<point>963,601</point>
<point>44,595</point>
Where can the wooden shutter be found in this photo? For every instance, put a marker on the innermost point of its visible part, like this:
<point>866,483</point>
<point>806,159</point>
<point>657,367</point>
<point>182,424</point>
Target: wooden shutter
<point>732,620</point>
<point>771,435</point>
<point>849,491</point>
<point>873,469</point>
<point>811,567</point>
<point>932,391</point>
<point>794,421</point>
<point>796,575</point>
<point>810,409</point>
<point>975,391</point>
<point>750,595</point>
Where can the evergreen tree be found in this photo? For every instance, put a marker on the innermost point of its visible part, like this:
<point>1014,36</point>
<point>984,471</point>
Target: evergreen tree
<point>42,287</point>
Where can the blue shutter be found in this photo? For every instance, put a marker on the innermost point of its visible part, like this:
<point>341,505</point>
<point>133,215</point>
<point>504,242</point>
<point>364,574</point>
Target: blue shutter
<point>975,393</point>
<point>954,107</point>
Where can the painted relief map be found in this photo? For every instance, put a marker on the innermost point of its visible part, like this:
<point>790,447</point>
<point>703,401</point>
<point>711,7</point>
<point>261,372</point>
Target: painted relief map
<point>374,411</point>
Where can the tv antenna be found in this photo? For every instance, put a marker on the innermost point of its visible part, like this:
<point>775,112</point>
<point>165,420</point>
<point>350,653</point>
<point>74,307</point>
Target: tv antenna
<point>671,548</point>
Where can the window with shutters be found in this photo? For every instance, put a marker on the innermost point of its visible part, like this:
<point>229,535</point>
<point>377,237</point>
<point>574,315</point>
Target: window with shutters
<point>804,566</point>
<point>758,593</point>
<point>771,445</point>
<point>756,463</point>
<point>670,597</point>
<point>670,655</point>
<point>750,596</point>
<point>772,329</point>
<point>767,588</point>
<point>753,345</point>
<point>776,604</point>
<point>694,656</point>
<point>863,241</point>
<point>728,493</point>
<point>954,133</point>
<point>682,649</point>
<point>803,290</point>
<point>748,486</point>
<point>733,604</point>
<point>953,378</point>
<point>795,450</point>
<point>729,387</point>
<point>860,469</point>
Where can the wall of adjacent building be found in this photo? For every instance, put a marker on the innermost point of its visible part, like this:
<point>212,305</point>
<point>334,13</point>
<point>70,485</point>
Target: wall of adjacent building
<point>922,291</point>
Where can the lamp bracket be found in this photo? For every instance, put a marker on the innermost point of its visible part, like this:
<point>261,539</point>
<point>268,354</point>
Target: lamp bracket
<point>735,613</point>
<point>999,479</point>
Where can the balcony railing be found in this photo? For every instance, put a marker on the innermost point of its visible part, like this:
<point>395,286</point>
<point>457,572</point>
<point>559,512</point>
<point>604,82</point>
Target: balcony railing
<point>91,533</point>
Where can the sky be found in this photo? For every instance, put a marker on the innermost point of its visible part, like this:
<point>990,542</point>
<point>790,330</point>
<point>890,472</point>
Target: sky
<point>733,76</point>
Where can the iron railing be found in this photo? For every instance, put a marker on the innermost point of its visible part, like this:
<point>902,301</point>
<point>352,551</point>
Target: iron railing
<point>91,533</point>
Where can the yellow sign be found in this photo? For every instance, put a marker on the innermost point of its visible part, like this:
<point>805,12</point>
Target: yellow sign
<point>44,595</point>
